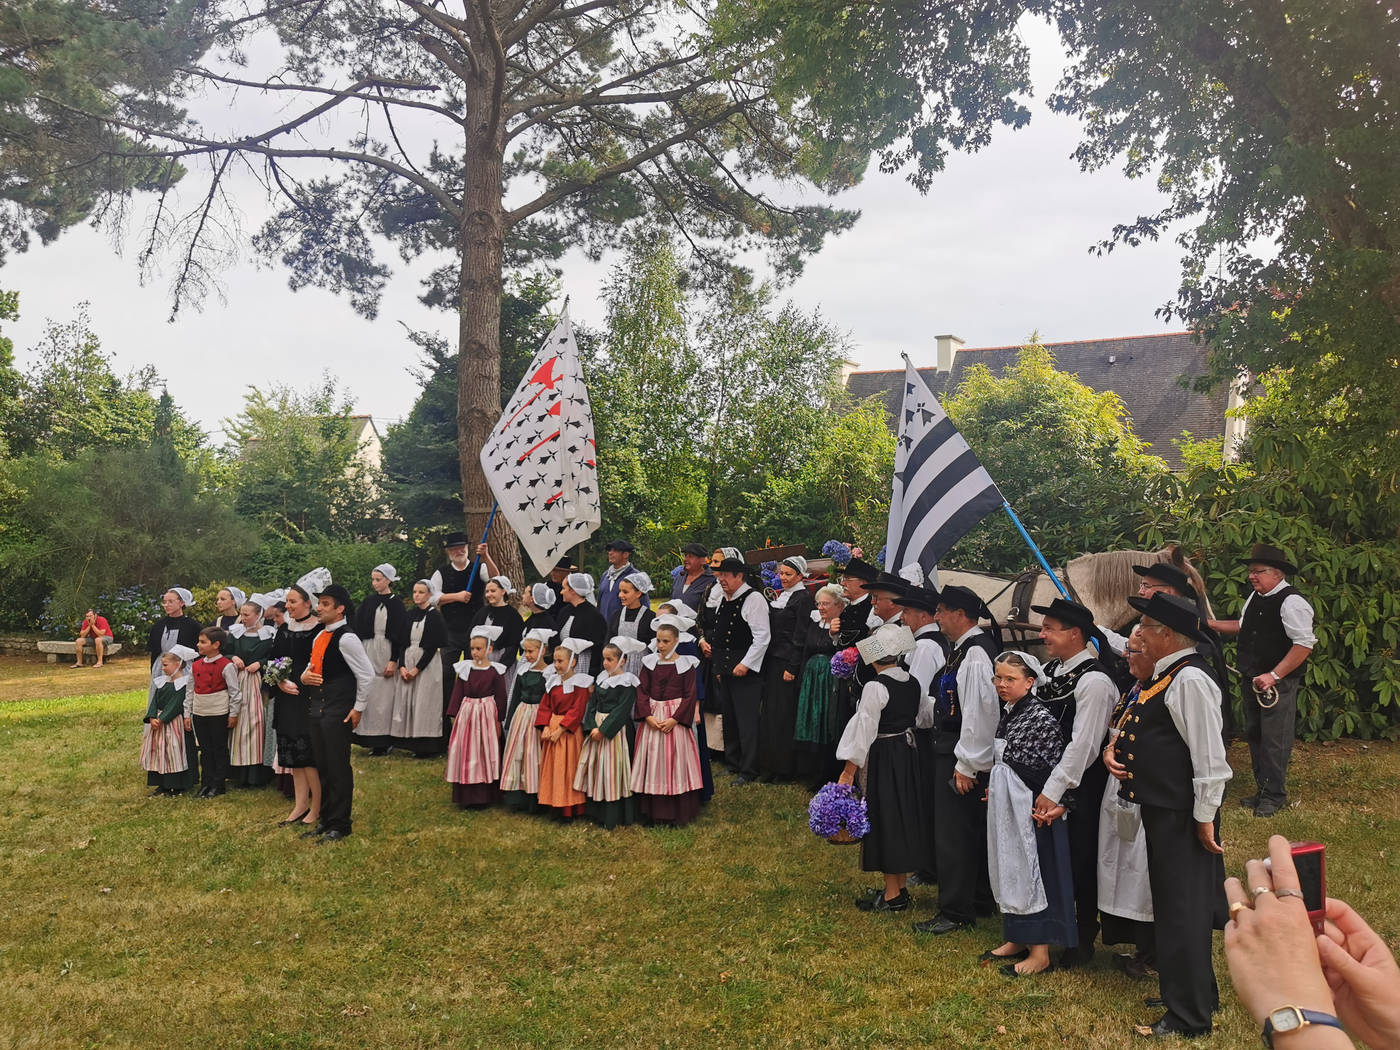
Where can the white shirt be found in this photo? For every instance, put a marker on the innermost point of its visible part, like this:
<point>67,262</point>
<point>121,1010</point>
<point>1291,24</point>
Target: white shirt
<point>231,685</point>
<point>754,609</point>
<point>358,660</point>
<point>981,710</point>
<point>864,725</point>
<point>1296,614</point>
<point>924,663</point>
<point>1193,701</point>
<point>1094,698</point>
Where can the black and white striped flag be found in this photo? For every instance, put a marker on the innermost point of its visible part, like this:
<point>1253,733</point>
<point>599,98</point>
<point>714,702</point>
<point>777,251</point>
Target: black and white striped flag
<point>940,489</point>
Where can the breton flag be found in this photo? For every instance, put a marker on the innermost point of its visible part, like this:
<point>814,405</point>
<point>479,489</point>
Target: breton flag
<point>541,459</point>
<point>940,489</point>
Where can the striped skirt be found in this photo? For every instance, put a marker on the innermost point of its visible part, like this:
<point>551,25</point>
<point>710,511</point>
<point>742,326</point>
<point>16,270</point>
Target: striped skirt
<point>558,764</point>
<point>666,763</point>
<point>246,739</point>
<point>520,765</point>
<point>604,767</point>
<point>474,750</point>
<point>163,747</point>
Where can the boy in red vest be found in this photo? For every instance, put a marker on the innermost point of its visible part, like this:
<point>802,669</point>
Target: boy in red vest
<point>215,706</point>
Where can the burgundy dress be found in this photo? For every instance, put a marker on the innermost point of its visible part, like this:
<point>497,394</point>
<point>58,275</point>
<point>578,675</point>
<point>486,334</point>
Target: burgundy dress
<point>668,690</point>
<point>483,788</point>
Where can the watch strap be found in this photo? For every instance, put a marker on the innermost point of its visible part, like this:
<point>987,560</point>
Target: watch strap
<point>1306,1017</point>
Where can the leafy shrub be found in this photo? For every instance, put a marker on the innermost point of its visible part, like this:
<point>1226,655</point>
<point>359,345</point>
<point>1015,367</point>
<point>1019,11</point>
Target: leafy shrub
<point>279,564</point>
<point>130,611</point>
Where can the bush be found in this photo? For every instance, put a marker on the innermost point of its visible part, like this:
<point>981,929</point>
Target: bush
<point>275,565</point>
<point>130,612</point>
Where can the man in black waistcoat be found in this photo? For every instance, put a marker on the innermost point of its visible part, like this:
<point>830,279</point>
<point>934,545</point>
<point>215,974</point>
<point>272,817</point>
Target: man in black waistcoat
<point>1276,637</point>
<point>736,650</point>
<point>1170,760</point>
<point>337,684</point>
<point>458,600</point>
<point>1080,694</point>
<point>965,724</point>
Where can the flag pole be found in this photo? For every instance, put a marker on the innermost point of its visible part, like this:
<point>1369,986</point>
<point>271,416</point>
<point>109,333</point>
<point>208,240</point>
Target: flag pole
<point>1035,550</point>
<point>495,506</point>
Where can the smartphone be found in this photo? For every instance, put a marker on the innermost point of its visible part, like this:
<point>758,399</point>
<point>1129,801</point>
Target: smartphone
<point>1310,860</point>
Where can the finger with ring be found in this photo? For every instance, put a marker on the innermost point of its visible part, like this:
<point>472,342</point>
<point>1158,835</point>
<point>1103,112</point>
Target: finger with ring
<point>1259,890</point>
<point>1257,877</point>
<point>1237,907</point>
<point>1234,893</point>
<point>1286,891</point>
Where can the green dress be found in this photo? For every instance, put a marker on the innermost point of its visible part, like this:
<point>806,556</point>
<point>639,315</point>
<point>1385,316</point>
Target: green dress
<point>605,767</point>
<point>520,761</point>
<point>167,708</point>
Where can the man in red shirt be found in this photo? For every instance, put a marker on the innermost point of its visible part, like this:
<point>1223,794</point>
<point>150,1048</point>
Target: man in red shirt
<point>96,628</point>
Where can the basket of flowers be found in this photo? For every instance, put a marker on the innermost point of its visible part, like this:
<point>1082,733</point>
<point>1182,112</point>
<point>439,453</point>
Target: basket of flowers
<point>837,814</point>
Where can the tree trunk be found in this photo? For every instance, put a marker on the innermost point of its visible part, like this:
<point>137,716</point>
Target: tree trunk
<point>479,332</point>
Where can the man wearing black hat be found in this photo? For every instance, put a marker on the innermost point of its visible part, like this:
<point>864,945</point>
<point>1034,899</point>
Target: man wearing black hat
<point>458,601</point>
<point>619,568</point>
<point>1275,630</point>
<point>1170,760</point>
<point>695,579</point>
<point>883,591</point>
<point>337,678</point>
<point>856,621</point>
<point>737,647</point>
<point>965,725</point>
<point>1080,694</point>
<point>558,575</point>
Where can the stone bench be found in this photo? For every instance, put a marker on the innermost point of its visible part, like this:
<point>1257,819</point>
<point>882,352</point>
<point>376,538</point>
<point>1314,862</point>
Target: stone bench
<point>57,649</point>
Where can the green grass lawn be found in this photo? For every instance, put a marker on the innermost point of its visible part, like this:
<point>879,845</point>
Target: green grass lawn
<point>156,922</point>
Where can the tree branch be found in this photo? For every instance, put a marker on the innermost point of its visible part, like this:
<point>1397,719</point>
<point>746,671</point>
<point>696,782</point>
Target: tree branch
<point>378,83</point>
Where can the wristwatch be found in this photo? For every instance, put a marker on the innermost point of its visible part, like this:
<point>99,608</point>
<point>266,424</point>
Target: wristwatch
<point>1290,1019</point>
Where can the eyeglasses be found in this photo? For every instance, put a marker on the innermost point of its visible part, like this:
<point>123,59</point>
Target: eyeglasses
<point>1133,652</point>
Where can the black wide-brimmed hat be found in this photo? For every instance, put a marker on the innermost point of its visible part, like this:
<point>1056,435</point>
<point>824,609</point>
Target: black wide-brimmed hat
<point>695,550</point>
<point>1171,610</point>
<point>1166,572</point>
<point>887,583</point>
<point>456,539</point>
<point>566,563</point>
<point>732,565</point>
<point>1071,614</point>
<point>918,598</point>
<point>964,599</point>
<point>860,570</point>
<point>1263,554</point>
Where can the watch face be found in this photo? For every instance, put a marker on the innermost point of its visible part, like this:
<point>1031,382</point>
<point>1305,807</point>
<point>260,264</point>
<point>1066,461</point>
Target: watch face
<point>1286,1020</point>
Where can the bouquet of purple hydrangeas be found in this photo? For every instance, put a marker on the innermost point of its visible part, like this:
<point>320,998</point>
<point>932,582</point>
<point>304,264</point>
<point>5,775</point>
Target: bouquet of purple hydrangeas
<point>844,662</point>
<point>838,552</point>
<point>278,670</point>
<point>837,814</point>
<point>880,555</point>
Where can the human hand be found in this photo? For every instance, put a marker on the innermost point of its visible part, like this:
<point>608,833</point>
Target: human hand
<point>597,734</point>
<point>1362,974</point>
<point>289,687</point>
<point>705,648</point>
<point>238,663</point>
<point>1269,942</point>
<point>651,721</point>
<point>189,723</point>
<point>353,718</point>
<point>310,677</point>
<point>1205,835</point>
<point>481,550</point>
<point>668,724</point>
<point>232,721</point>
<point>1115,768</point>
<point>739,671</point>
<point>962,784</point>
<point>1265,681</point>
<point>788,676</point>
<point>848,775</point>
<point>390,669</point>
<point>1047,816</point>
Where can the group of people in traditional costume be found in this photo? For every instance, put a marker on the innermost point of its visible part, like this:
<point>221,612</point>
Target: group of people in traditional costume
<point>1079,797</point>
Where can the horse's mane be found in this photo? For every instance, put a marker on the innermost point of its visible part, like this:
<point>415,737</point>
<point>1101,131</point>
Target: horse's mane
<point>1104,581</point>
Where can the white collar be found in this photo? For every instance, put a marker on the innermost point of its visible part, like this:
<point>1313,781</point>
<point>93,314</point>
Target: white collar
<point>1166,661</point>
<point>178,683</point>
<point>970,632</point>
<point>1280,586</point>
<point>335,626</point>
<point>896,672</point>
<point>466,667</point>
<point>605,680</point>
<point>1083,656</point>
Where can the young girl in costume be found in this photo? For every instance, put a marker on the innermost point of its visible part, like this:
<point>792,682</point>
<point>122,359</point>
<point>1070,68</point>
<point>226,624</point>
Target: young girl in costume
<point>878,746</point>
<point>688,645</point>
<point>1028,860</point>
<point>250,644</point>
<point>666,771</point>
<point>561,721</point>
<point>477,707</point>
<point>605,763</point>
<point>167,742</point>
<point>520,763</point>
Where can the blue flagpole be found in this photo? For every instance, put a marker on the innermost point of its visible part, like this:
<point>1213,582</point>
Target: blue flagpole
<point>495,506</point>
<point>1035,550</point>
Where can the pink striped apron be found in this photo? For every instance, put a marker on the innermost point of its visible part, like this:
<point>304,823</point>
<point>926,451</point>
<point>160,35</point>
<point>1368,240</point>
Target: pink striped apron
<point>520,765</point>
<point>474,750</point>
<point>666,763</point>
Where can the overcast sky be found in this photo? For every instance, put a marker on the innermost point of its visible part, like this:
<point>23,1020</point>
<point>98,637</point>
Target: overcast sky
<point>999,247</point>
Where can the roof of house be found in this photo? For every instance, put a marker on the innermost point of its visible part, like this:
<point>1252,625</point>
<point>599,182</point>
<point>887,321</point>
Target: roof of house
<point>1144,371</point>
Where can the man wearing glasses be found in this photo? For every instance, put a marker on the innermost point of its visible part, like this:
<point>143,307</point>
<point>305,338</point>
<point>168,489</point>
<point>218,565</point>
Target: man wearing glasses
<point>1275,631</point>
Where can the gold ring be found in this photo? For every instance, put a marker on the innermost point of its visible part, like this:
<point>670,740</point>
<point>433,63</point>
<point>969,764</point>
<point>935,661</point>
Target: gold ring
<point>1237,907</point>
<point>1263,889</point>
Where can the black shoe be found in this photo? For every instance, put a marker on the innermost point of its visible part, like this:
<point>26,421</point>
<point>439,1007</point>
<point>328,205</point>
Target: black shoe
<point>315,832</point>
<point>159,791</point>
<point>902,902</point>
<point>1133,966</point>
<point>296,819</point>
<point>866,900</point>
<point>1249,801</point>
<point>1268,808</point>
<point>335,835</point>
<point>1073,958</point>
<point>923,878</point>
<point>1161,1028</point>
<point>991,956</point>
<point>216,792</point>
<point>940,925</point>
<point>206,792</point>
<point>743,778</point>
<point>1009,970</point>
<point>1153,1000</point>
<point>377,751</point>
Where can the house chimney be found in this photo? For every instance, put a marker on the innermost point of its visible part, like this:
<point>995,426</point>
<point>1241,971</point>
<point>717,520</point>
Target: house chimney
<point>948,346</point>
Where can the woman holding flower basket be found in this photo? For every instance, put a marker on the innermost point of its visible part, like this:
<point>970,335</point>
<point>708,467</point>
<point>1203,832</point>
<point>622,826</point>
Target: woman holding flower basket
<point>878,750</point>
